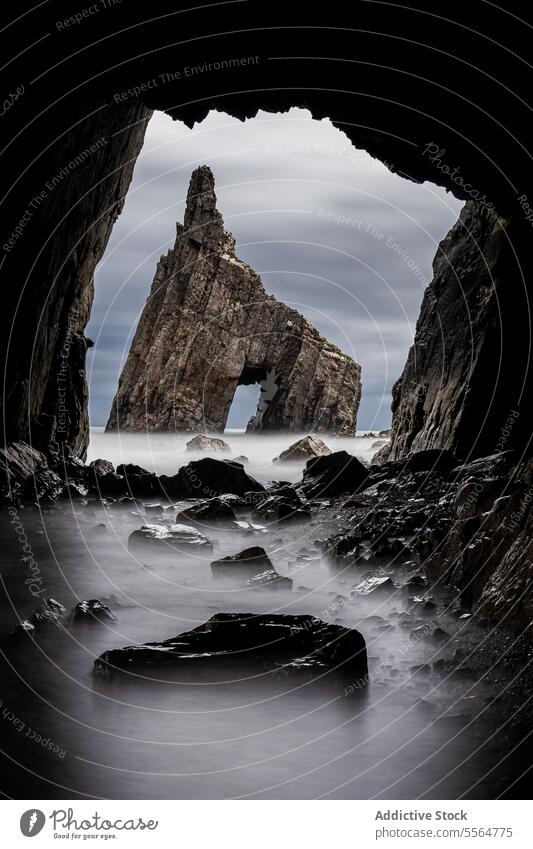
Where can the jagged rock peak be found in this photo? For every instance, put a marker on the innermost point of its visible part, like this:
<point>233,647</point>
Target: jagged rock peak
<point>208,326</point>
<point>202,221</point>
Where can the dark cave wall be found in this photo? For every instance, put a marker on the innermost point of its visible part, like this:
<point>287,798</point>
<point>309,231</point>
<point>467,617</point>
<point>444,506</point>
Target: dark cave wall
<point>65,237</point>
<point>467,373</point>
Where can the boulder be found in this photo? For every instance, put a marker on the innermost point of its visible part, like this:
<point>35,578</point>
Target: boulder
<point>215,511</point>
<point>337,474</point>
<point>20,464</point>
<point>275,641</point>
<point>240,459</point>
<point>102,478</point>
<point>209,326</point>
<point>285,490</point>
<point>374,584</point>
<point>160,538</point>
<point>92,611</point>
<point>49,613</point>
<point>304,449</point>
<point>138,481</point>
<point>209,478</point>
<point>431,460</point>
<point>277,508</point>
<point>207,445</point>
<point>45,486</point>
<point>253,564</point>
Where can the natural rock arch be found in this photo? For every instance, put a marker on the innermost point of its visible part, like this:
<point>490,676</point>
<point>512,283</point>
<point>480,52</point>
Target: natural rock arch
<point>208,326</point>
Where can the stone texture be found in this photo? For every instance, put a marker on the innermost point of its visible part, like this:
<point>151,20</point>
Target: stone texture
<point>336,474</point>
<point>304,449</point>
<point>274,640</point>
<point>93,610</point>
<point>208,478</point>
<point>46,369</point>
<point>255,566</point>
<point>208,326</point>
<point>214,511</point>
<point>160,538</point>
<point>463,378</point>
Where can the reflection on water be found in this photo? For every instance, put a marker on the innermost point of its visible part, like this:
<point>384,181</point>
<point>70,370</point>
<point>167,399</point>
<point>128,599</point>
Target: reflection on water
<point>414,731</point>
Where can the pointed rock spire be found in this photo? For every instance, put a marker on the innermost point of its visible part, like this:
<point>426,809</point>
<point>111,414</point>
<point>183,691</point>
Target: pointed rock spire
<point>203,222</point>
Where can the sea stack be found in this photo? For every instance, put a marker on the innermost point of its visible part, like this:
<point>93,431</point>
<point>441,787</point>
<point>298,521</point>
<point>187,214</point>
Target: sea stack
<point>208,326</point>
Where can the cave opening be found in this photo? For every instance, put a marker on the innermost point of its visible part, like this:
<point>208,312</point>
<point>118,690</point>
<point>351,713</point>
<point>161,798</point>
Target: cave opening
<point>331,231</point>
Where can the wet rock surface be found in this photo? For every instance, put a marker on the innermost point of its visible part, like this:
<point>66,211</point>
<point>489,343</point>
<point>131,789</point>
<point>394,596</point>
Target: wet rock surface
<point>151,538</point>
<point>254,565</point>
<point>304,449</point>
<point>336,474</point>
<point>213,511</point>
<point>92,611</point>
<point>208,478</point>
<point>273,640</point>
<point>49,613</point>
<point>282,508</point>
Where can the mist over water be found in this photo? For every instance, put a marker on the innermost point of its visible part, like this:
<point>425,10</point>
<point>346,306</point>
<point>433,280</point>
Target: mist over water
<point>164,453</point>
<point>237,730</point>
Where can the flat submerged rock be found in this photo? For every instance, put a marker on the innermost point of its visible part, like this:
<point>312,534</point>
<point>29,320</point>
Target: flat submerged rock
<point>273,640</point>
<point>161,537</point>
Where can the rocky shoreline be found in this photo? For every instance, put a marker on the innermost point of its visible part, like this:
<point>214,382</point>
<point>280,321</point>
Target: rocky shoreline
<point>462,525</point>
<point>404,614</point>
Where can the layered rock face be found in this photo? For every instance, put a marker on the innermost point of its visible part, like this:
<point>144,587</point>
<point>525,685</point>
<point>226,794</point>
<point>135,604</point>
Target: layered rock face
<point>208,326</point>
<point>466,373</point>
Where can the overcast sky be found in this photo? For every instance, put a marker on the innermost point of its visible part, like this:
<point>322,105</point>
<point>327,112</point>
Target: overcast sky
<point>330,230</point>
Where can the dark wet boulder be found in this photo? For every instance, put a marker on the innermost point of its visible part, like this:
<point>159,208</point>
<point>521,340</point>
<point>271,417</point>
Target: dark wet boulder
<point>254,565</point>
<point>45,486</point>
<point>103,479</point>
<point>101,467</point>
<point>274,641</point>
<point>492,466</point>
<point>49,613</point>
<point>337,474</point>
<point>276,508</point>
<point>208,478</point>
<point>138,481</point>
<point>374,584</point>
<point>207,445</point>
<point>163,539</point>
<point>271,580</point>
<point>24,473</point>
<point>72,469</point>
<point>431,460</point>
<point>304,449</point>
<point>92,611</point>
<point>288,492</point>
<point>74,490</point>
<point>99,531</point>
<point>155,510</point>
<point>214,511</point>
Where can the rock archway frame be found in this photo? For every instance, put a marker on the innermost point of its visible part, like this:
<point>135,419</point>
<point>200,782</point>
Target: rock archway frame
<point>77,128</point>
